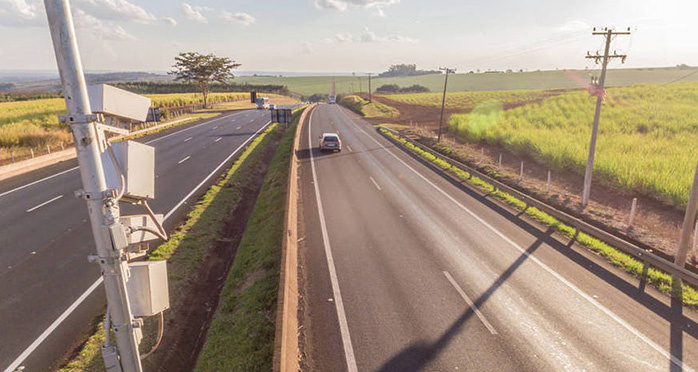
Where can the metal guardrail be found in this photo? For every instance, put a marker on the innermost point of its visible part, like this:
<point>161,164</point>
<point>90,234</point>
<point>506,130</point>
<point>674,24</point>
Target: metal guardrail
<point>643,255</point>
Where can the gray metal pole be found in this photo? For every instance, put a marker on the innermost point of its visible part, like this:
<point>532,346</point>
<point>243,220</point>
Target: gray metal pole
<point>688,220</point>
<point>102,207</point>
<point>443,101</point>
<point>595,129</point>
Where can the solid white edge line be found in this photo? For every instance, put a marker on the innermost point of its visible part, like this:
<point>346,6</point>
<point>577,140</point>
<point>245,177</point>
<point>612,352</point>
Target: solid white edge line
<point>216,170</point>
<point>147,143</point>
<point>188,139</point>
<point>183,160</point>
<point>44,203</point>
<point>218,139</point>
<point>375,183</point>
<point>38,181</point>
<point>470,303</point>
<point>339,304</point>
<point>25,354</point>
<point>349,148</point>
<point>534,259</point>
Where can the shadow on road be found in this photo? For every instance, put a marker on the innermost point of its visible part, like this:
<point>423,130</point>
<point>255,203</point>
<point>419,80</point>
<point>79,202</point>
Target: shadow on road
<point>418,355</point>
<point>672,313</point>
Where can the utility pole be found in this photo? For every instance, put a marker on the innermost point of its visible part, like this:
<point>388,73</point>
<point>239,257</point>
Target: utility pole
<point>102,205</point>
<point>598,91</point>
<point>369,88</point>
<point>443,100</point>
<point>361,89</point>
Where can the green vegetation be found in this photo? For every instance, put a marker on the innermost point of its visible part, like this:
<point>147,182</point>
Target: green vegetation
<point>370,110</point>
<point>152,87</point>
<point>394,88</point>
<point>647,136</point>
<point>188,245</point>
<point>467,101</point>
<point>241,337</point>
<point>562,79</point>
<point>404,69</point>
<point>659,279</point>
<point>203,70</point>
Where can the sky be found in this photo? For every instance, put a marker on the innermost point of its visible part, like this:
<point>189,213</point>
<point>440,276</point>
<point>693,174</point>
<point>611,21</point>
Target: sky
<point>354,35</point>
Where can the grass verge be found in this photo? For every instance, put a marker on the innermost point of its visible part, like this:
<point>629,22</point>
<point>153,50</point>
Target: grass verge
<point>657,278</point>
<point>188,245</point>
<point>368,109</point>
<point>241,336</point>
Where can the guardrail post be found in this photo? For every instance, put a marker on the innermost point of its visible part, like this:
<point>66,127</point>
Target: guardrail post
<point>482,154</point>
<point>633,209</point>
<point>547,189</point>
<point>521,172</point>
<point>499,165</point>
<point>688,221</point>
<point>12,155</point>
<point>48,149</point>
<point>32,152</point>
<point>62,148</point>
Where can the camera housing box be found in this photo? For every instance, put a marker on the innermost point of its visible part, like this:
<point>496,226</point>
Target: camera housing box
<point>148,292</point>
<point>114,102</point>
<point>137,162</point>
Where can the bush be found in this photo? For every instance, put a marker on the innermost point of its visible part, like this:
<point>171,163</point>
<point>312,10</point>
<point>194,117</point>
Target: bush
<point>388,88</point>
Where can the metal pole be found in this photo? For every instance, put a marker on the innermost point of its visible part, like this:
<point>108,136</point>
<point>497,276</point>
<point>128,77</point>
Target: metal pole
<point>102,207</point>
<point>688,221</point>
<point>443,100</point>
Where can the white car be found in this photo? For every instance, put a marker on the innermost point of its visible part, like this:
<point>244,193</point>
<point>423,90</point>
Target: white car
<point>330,141</point>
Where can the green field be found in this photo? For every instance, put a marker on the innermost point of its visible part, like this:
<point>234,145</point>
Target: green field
<point>470,100</point>
<point>647,136</point>
<point>562,79</point>
<point>368,109</point>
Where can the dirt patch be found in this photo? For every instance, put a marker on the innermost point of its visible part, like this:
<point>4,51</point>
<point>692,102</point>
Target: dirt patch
<point>187,326</point>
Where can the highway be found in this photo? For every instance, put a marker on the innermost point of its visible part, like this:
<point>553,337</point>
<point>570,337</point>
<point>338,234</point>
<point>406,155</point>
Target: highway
<point>405,269</point>
<point>49,291</point>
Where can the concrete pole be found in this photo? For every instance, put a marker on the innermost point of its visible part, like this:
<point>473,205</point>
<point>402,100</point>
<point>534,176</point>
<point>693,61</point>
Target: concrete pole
<point>102,208</point>
<point>499,165</point>
<point>521,173</point>
<point>547,189</point>
<point>595,128</point>
<point>633,210</point>
<point>688,221</point>
<point>443,100</point>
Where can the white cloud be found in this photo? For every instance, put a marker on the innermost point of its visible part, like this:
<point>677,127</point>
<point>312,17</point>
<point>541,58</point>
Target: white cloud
<point>98,28</point>
<point>369,36</point>
<point>169,20</point>
<point>576,25</point>
<point>239,18</point>
<point>120,10</point>
<point>195,13</point>
<point>21,13</point>
<point>342,5</point>
<point>344,37</point>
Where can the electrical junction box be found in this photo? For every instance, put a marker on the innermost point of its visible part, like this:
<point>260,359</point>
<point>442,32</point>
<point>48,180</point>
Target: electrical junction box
<point>137,162</point>
<point>141,220</point>
<point>118,103</point>
<point>147,288</point>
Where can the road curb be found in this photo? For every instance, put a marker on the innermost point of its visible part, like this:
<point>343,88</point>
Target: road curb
<point>286,357</point>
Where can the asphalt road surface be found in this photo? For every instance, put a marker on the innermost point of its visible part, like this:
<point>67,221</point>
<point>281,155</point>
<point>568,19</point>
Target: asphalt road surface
<point>409,270</point>
<point>49,292</point>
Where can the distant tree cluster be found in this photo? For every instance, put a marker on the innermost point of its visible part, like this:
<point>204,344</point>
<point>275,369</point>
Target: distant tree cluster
<point>27,96</point>
<point>394,88</point>
<point>151,87</point>
<point>406,70</point>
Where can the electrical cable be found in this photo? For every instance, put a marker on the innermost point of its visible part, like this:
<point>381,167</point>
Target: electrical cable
<point>148,229</point>
<point>161,332</point>
<point>145,205</point>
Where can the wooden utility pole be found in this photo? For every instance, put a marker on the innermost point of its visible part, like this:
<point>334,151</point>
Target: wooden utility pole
<point>598,91</point>
<point>369,87</point>
<point>443,100</point>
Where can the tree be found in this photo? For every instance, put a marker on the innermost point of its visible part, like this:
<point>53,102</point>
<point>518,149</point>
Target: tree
<point>388,88</point>
<point>203,70</point>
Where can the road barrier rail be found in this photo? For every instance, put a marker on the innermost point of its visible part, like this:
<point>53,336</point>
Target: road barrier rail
<point>641,254</point>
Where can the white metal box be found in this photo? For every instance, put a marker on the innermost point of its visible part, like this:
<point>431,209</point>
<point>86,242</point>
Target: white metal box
<point>111,101</point>
<point>147,288</point>
<point>137,162</point>
<point>141,220</point>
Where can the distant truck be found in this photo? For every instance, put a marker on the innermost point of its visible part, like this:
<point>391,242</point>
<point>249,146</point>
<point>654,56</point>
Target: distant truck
<point>262,103</point>
<point>333,100</point>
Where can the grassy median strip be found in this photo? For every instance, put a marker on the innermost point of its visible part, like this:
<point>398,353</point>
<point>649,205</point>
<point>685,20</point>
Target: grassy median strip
<point>188,245</point>
<point>241,336</point>
<point>659,279</point>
